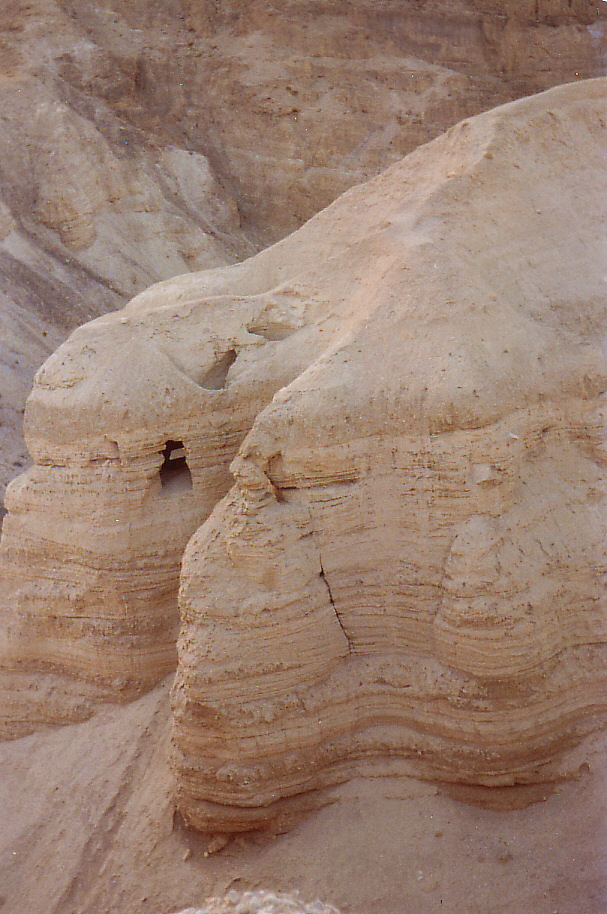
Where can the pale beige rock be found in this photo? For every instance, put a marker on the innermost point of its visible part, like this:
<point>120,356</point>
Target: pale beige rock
<point>92,544</point>
<point>141,140</point>
<point>91,210</point>
<point>407,573</point>
<point>294,106</point>
<point>261,902</point>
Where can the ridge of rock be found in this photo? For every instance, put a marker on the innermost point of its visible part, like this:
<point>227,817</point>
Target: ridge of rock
<point>404,571</point>
<point>143,139</point>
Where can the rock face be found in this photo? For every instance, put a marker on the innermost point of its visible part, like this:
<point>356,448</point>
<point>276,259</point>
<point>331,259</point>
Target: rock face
<point>294,102</point>
<point>405,570</point>
<point>133,424</point>
<point>144,139</point>
<point>408,574</point>
<point>90,213</point>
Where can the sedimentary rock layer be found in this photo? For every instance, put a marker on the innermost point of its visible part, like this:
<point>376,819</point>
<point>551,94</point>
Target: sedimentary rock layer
<point>294,102</point>
<point>143,139</point>
<point>408,574</point>
<point>133,424</point>
<point>404,568</point>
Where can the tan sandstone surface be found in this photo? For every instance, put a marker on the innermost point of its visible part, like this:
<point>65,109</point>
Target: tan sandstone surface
<point>141,139</point>
<point>168,136</point>
<point>406,576</point>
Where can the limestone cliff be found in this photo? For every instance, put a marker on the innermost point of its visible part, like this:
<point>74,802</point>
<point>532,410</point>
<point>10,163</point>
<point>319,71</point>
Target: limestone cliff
<point>407,571</point>
<point>294,102</point>
<point>91,211</point>
<point>408,574</point>
<point>142,139</point>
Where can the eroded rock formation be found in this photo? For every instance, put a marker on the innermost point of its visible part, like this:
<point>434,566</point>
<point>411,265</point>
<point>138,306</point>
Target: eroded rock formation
<point>91,212</point>
<point>405,569</point>
<point>408,573</point>
<point>142,139</point>
<point>133,424</point>
<point>261,902</point>
<point>295,102</point>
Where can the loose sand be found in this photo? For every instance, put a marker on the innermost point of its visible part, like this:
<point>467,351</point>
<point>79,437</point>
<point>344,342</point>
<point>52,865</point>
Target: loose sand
<point>88,826</point>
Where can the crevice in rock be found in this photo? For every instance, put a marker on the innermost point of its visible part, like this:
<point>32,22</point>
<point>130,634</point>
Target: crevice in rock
<point>216,377</point>
<point>331,600</point>
<point>326,583</point>
<point>175,473</point>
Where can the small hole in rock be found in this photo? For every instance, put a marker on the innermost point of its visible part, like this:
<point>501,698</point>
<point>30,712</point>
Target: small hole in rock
<point>217,376</point>
<point>272,331</point>
<point>175,472</point>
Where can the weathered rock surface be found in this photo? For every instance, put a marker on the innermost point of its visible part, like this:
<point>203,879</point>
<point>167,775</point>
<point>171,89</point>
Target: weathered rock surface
<point>133,424</point>
<point>295,102</point>
<point>408,573</point>
<point>143,139</point>
<point>87,809</point>
<point>261,902</point>
<point>91,210</point>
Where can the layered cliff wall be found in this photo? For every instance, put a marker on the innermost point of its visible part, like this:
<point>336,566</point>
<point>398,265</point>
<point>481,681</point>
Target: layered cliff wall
<point>403,568</point>
<point>295,102</point>
<point>408,573</point>
<point>143,139</point>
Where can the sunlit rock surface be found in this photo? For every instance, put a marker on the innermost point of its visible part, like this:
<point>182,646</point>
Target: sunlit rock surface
<point>408,574</point>
<point>404,568</point>
<point>143,139</point>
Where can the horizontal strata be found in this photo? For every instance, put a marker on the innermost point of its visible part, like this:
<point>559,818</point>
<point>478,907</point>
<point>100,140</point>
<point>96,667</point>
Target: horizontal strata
<point>133,447</point>
<point>408,575</point>
<point>383,442</point>
<point>419,617</point>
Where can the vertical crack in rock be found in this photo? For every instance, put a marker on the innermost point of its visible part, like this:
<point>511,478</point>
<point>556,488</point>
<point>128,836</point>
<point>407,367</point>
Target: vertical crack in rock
<point>279,495</point>
<point>332,602</point>
<point>326,582</point>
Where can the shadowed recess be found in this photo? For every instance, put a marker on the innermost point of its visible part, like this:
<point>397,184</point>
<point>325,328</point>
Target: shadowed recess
<point>174,472</point>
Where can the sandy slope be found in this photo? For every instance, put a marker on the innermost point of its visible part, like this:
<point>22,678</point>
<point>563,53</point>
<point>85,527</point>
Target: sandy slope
<point>88,826</point>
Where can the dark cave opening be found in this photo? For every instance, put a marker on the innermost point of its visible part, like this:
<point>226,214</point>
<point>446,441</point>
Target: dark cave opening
<point>175,472</point>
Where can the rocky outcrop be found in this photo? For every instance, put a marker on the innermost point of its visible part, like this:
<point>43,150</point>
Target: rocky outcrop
<point>141,140</point>
<point>261,902</point>
<point>133,424</point>
<point>188,120</point>
<point>407,575</point>
<point>402,569</point>
<point>90,212</point>
<point>295,102</point>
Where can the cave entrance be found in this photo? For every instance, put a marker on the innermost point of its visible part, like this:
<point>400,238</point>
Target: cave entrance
<point>175,473</point>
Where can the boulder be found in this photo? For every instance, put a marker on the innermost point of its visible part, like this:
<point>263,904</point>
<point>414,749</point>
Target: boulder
<point>261,902</point>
